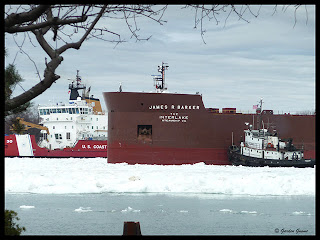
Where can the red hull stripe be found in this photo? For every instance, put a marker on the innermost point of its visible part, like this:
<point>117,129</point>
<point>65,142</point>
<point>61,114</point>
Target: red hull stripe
<point>84,148</point>
<point>10,146</point>
<point>167,156</point>
<point>137,154</point>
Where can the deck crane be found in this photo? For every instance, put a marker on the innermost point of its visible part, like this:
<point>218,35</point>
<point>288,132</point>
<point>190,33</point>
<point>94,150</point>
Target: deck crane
<point>29,125</point>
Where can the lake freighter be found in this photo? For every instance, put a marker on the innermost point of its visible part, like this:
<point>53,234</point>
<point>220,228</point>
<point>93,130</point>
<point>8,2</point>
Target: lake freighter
<point>170,128</point>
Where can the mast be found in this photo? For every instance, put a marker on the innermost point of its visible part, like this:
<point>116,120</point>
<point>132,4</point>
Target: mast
<point>75,87</point>
<point>260,115</point>
<point>159,80</point>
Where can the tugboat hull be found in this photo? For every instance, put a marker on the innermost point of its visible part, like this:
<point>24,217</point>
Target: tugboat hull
<point>237,159</point>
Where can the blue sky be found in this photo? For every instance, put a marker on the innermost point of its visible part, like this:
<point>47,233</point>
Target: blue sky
<point>271,57</point>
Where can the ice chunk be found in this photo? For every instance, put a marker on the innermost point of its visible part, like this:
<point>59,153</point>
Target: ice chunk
<point>183,211</point>
<point>130,209</point>
<point>83,209</point>
<point>249,212</point>
<point>226,210</point>
<point>26,207</point>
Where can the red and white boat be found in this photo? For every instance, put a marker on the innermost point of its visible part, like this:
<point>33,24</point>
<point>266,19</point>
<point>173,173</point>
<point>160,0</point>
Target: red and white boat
<point>76,129</point>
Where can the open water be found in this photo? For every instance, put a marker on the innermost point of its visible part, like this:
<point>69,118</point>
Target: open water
<point>163,214</point>
<point>92,197</point>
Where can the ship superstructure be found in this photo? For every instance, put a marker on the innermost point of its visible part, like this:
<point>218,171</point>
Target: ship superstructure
<point>80,119</point>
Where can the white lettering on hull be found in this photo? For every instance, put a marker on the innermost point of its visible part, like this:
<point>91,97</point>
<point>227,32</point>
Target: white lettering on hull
<point>174,107</point>
<point>94,146</point>
<point>174,117</point>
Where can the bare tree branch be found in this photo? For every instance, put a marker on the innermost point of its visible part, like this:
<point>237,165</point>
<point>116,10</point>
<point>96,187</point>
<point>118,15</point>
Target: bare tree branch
<point>14,18</point>
<point>53,21</point>
<point>49,78</point>
<point>43,43</point>
<point>77,45</point>
<point>21,49</point>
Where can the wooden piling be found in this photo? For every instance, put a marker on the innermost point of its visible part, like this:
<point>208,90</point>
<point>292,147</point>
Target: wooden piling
<point>131,228</point>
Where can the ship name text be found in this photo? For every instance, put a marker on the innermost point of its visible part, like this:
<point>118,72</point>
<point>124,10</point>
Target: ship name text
<point>175,107</point>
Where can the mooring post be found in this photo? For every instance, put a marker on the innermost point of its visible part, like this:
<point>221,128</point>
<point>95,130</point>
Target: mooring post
<point>131,228</point>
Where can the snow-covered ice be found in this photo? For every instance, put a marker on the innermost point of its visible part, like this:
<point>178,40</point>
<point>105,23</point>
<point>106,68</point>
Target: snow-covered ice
<point>95,175</point>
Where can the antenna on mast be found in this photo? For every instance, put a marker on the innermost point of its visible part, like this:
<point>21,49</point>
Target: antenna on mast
<point>259,118</point>
<point>159,79</point>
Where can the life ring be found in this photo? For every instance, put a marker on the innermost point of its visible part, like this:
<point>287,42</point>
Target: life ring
<point>270,145</point>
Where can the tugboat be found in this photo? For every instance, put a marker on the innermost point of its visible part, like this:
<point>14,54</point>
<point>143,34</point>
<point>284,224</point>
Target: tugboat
<point>263,148</point>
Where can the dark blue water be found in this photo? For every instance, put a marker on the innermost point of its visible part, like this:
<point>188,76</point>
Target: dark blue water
<point>163,214</point>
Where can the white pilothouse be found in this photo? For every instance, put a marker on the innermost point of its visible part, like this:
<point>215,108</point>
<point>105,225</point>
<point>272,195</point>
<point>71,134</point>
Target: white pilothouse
<point>81,119</point>
<point>262,144</point>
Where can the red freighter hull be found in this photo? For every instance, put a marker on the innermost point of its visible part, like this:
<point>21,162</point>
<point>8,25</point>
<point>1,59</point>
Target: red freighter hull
<point>26,146</point>
<point>163,128</point>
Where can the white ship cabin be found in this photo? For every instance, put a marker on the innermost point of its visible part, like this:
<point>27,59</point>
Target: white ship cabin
<point>68,123</point>
<point>262,144</point>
